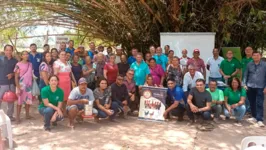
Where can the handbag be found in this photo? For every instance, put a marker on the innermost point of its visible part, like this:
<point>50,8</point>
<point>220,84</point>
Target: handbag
<point>9,96</point>
<point>35,88</point>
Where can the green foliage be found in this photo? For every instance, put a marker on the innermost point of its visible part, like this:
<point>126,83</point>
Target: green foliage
<point>138,23</point>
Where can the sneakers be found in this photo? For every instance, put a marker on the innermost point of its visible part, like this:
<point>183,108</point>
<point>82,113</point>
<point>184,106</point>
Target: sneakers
<point>252,120</point>
<point>260,124</point>
<point>216,120</point>
<point>47,129</point>
<point>191,122</point>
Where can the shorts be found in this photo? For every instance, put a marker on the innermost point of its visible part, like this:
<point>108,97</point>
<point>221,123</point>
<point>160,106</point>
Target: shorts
<point>5,88</point>
<point>80,107</point>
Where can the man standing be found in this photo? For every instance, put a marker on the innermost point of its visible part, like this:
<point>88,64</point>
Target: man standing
<point>199,102</point>
<point>92,50</point>
<point>132,58</point>
<point>213,65</point>
<point>70,48</point>
<point>177,104</point>
<point>190,78</point>
<point>62,47</point>
<point>120,94</point>
<point>244,63</point>
<point>197,62</point>
<point>229,67</point>
<point>7,81</point>
<point>119,52</point>
<point>36,59</point>
<point>141,70</point>
<point>46,48</point>
<point>109,52</point>
<point>217,99</point>
<point>166,49</point>
<point>255,83</point>
<point>183,61</point>
<point>152,50</point>
<point>160,58</point>
<point>78,97</point>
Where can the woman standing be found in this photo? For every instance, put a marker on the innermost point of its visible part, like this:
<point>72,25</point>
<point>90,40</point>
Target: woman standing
<point>51,106</point>
<point>23,79</point>
<point>89,72</point>
<point>174,71</point>
<point>54,53</point>
<point>157,72</point>
<point>111,70</point>
<point>45,70</point>
<point>103,101</point>
<point>76,67</point>
<point>63,70</point>
<point>234,97</point>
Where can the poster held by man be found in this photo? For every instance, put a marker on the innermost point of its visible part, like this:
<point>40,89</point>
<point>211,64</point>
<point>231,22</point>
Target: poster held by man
<point>152,103</point>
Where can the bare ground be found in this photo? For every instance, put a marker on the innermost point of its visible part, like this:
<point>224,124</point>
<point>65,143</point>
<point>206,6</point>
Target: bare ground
<point>130,134</point>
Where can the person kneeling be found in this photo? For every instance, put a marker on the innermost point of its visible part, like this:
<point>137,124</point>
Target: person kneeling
<point>234,97</point>
<point>78,97</point>
<point>199,102</point>
<point>120,95</point>
<point>104,105</point>
<point>176,94</point>
<point>51,105</point>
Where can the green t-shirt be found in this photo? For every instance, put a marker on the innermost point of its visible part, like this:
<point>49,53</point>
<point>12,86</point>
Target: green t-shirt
<point>233,97</point>
<point>53,97</point>
<point>229,67</point>
<point>244,64</point>
<point>217,95</point>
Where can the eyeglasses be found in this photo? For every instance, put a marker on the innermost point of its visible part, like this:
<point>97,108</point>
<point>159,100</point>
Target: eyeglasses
<point>131,74</point>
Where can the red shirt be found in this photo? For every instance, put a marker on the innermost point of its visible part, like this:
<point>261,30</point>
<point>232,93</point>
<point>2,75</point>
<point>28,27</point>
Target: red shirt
<point>112,71</point>
<point>199,64</point>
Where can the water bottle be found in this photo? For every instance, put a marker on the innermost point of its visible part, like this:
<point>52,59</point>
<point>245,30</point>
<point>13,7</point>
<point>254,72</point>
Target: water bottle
<point>88,109</point>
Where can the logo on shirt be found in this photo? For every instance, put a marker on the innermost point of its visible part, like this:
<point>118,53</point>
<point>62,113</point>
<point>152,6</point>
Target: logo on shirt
<point>57,98</point>
<point>38,60</point>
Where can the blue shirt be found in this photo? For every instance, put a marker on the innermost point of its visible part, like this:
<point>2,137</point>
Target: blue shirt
<point>255,75</point>
<point>91,54</point>
<point>141,71</point>
<point>130,60</point>
<point>176,94</point>
<point>161,60</point>
<point>71,51</point>
<point>6,67</point>
<point>36,61</point>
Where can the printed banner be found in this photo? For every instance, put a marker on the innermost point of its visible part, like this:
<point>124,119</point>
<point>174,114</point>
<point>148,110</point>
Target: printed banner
<point>152,103</point>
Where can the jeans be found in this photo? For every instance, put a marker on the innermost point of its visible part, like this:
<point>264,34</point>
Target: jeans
<point>256,99</point>
<point>178,111</point>
<point>238,112</point>
<point>48,113</point>
<point>215,79</point>
<point>114,107</point>
<point>206,115</point>
<point>217,110</point>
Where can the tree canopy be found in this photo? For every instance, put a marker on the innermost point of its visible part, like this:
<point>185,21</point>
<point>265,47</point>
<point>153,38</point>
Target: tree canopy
<point>137,23</point>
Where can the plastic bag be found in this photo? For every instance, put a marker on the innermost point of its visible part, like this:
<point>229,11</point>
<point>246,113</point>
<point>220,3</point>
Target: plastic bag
<point>35,88</point>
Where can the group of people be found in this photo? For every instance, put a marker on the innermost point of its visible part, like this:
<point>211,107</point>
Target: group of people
<point>69,78</point>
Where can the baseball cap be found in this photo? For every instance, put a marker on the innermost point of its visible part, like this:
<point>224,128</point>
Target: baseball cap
<point>82,80</point>
<point>196,50</point>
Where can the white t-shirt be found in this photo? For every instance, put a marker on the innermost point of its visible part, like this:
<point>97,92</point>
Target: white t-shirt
<point>183,62</point>
<point>188,82</point>
<point>215,66</point>
<point>117,59</point>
